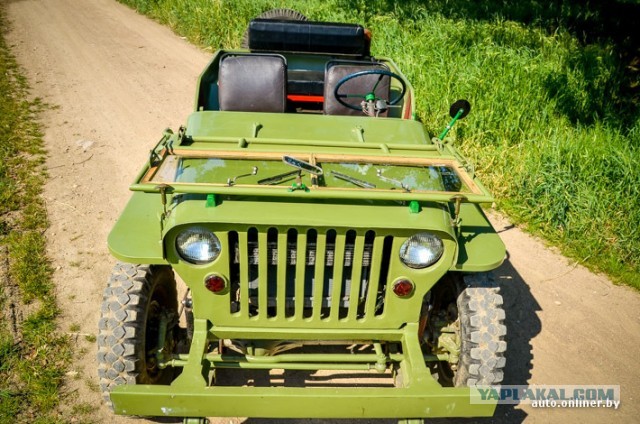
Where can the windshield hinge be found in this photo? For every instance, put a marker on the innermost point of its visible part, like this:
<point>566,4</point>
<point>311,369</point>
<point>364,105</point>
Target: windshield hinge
<point>181,134</point>
<point>438,143</point>
<point>164,143</point>
<point>456,221</point>
<point>162,188</point>
<point>470,168</point>
<point>464,162</point>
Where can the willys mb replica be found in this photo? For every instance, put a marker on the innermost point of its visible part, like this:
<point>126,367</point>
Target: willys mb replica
<point>319,231</point>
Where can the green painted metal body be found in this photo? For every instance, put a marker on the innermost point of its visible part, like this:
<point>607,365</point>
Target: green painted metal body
<point>186,182</point>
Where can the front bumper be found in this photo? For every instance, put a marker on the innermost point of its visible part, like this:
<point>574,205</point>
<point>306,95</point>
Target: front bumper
<point>294,402</point>
<point>189,395</point>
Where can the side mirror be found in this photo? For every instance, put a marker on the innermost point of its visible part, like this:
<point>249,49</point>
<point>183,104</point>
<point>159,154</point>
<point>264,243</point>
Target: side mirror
<point>458,110</point>
<point>461,107</point>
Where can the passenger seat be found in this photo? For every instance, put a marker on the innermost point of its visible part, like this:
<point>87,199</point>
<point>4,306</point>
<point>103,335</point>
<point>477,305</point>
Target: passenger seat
<point>253,83</point>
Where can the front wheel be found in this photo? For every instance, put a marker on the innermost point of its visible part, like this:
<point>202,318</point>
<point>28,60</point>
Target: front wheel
<point>139,319</point>
<point>466,322</point>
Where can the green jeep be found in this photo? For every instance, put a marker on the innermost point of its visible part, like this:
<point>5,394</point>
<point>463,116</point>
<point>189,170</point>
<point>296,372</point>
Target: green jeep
<point>318,230</point>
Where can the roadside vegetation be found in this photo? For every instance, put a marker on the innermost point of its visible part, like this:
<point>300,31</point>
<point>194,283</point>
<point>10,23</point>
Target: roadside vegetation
<point>554,128</point>
<point>33,354</point>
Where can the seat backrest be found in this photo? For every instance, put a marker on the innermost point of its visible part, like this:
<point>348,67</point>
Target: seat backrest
<point>357,86</point>
<point>253,83</point>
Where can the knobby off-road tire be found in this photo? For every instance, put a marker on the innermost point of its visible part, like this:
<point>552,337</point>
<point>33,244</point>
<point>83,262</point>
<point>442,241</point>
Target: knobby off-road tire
<point>135,298</point>
<point>482,332</point>
<point>473,306</point>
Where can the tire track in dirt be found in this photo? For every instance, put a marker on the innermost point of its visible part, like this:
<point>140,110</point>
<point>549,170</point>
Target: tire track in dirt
<point>119,79</point>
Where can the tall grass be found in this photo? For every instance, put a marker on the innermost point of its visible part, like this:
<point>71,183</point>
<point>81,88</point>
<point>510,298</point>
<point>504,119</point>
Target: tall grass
<point>554,129</point>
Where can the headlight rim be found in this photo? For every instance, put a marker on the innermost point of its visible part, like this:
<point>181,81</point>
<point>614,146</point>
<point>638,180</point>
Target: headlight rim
<point>439,251</point>
<point>216,245</point>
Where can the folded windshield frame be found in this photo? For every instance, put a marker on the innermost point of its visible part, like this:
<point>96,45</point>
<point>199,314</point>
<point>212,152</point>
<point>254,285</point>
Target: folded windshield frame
<point>345,176</point>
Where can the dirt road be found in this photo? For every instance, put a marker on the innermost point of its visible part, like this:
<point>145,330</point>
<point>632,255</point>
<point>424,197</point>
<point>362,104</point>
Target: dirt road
<point>119,79</point>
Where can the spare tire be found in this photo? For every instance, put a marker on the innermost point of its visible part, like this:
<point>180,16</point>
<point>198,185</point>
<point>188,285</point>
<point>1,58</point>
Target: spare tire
<point>276,14</point>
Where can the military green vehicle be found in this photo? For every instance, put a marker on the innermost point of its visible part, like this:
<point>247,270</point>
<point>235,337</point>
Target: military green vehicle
<point>319,232</point>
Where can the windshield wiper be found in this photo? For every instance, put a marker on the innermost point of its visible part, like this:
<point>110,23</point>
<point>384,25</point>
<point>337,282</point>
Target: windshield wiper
<point>232,181</point>
<point>392,181</point>
<point>279,178</point>
<point>355,181</point>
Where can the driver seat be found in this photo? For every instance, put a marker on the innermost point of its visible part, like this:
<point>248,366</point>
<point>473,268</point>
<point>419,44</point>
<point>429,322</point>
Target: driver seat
<point>335,71</point>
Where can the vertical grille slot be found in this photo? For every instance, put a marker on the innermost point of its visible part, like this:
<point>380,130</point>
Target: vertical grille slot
<point>234,272</point>
<point>357,275</point>
<point>293,248</point>
<point>384,272</point>
<point>273,289</point>
<point>343,304</point>
<point>372,290</point>
<point>365,275</point>
<point>318,279</point>
<point>309,272</point>
<point>253,270</point>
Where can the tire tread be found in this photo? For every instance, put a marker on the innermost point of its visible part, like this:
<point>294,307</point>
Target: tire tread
<point>483,332</point>
<point>120,333</point>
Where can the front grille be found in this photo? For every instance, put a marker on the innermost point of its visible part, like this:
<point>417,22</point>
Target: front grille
<point>343,274</point>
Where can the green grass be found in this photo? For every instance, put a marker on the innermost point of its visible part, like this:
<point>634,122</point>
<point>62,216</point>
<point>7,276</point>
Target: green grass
<point>554,128</point>
<point>33,354</point>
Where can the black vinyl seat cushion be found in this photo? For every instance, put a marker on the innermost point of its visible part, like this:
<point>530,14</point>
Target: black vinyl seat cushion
<point>253,83</point>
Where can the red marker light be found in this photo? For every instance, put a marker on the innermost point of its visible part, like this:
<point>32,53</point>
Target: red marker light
<point>215,283</point>
<point>403,288</point>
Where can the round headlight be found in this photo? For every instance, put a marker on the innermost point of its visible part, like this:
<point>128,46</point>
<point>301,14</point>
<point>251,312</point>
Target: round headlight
<point>198,245</point>
<point>421,250</point>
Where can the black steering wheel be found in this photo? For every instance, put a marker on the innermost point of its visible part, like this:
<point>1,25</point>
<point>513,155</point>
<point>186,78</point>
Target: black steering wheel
<point>370,95</point>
